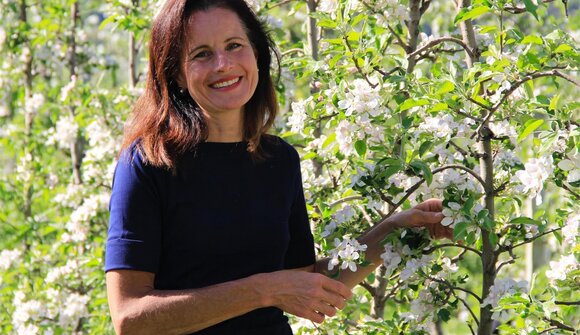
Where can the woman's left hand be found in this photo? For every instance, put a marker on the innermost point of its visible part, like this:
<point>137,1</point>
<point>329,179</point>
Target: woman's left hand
<point>426,214</point>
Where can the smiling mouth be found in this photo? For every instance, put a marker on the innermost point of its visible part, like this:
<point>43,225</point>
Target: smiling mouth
<point>226,83</point>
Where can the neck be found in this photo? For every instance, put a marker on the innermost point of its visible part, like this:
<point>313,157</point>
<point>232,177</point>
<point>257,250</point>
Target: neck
<point>225,127</point>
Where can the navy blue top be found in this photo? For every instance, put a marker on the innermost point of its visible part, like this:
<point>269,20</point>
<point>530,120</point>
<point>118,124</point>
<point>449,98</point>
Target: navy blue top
<point>221,217</point>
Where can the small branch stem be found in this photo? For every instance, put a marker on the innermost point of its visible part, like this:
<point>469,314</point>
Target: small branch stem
<point>438,41</point>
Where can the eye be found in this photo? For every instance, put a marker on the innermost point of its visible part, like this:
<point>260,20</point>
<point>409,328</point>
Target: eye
<point>233,46</point>
<point>201,55</point>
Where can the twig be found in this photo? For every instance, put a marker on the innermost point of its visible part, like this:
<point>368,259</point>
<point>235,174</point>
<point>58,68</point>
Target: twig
<point>371,289</point>
<point>388,74</point>
<point>444,245</point>
<point>404,45</point>
<point>355,61</point>
<point>290,51</point>
<point>567,303</point>
<point>509,248</point>
<point>419,183</point>
<point>366,215</point>
<point>439,41</point>
<point>446,283</point>
<point>520,10</point>
<point>564,186</point>
<point>560,325</point>
<point>516,85</point>
<point>458,148</point>
<point>502,264</point>
<point>475,118</point>
<point>347,199</point>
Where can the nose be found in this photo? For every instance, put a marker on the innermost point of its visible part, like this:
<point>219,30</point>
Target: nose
<point>223,61</point>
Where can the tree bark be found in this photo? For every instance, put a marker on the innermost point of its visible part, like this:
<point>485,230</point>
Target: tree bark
<point>76,146</point>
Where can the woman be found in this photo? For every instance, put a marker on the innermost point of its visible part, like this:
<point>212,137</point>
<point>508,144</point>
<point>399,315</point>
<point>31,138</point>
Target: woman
<point>208,231</point>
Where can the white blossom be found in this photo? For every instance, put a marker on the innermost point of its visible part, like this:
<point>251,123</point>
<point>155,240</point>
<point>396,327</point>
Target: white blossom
<point>440,126</point>
<point>391,259</point>
<point>571,229</point>
<point>361,99</point>
<point>65,133</point>
<point>328,6</point>
<point>7,257</point>
<point>499,289</point>
<point>572,165</point>
<point>504,129</point>
<point>346,253</point>
<point>33,104</point>
<point>452,215</point>
<point>535,174</point>
<point>560,269</point>
<point>299,116</point>
<point>2,37</point>
<point>75,307</point>
<point>344,136</point>
<point>65,91</point>
<point>413,265</point>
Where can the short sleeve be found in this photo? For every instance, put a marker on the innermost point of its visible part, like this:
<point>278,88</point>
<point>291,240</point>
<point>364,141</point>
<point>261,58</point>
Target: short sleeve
<point>300,251</point>
<point>134,235</point>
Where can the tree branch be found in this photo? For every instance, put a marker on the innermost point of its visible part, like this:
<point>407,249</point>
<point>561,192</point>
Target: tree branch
<point>567,303</point>
<point>560,325</point>
<point>355,61</point>
<point>440,40</point>
<point>444,245</point>
<point>520,10</point>
<point>404,45</point>
<point>503,249</point>
<point>564,186</point>
<point>446,283</point>
<point>517,84</point>
<point>347,199</point>
<point>419,183</point>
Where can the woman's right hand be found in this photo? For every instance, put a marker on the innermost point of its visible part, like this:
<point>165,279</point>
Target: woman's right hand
<point>305,294</point>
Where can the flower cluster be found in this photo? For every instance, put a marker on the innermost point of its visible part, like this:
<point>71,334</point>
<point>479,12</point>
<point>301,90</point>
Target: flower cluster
<point>499,289</point>
<point>346,254</point>
<point>560,269</point>
<point>532,179</point>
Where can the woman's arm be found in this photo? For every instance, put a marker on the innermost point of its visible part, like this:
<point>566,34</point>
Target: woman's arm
<point>137,308</point>
<point>427,214</point>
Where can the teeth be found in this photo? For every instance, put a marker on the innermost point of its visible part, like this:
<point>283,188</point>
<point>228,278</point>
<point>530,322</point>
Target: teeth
<point>226,83</point>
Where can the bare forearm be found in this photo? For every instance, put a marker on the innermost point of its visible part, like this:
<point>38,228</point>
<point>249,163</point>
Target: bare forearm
<point>373,253</point>
<point>186,311</point>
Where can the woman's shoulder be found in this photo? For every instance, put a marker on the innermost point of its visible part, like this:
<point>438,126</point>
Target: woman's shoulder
<point>276,146</point>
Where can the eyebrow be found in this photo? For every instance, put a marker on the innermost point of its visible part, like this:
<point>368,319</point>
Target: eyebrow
<point>207,46</point>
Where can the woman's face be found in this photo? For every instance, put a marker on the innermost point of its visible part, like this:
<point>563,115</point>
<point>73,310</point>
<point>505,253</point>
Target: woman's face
<point>219,66</point>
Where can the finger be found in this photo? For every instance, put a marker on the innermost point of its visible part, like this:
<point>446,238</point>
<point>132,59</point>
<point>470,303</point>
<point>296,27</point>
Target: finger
<point>335,300</point>
<point>325,309</point>
<point>337,287</point>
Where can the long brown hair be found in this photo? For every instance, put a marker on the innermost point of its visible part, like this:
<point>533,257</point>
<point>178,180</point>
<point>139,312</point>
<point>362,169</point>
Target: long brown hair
<point>166,123</point>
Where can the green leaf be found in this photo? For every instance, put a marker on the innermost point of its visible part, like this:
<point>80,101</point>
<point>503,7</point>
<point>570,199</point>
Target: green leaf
<point>525,220</point>
<point>360,147</point>
<point>529,128</point>
<point>438,107</point>
<point>410,103</point>
<point>444,315</point>
<point>563,48</point>
<point>427,174</point>
<point>327,24</point>
<point>554,102</point>
<point>532,39</point>
<point>424,147</point>
<point>493,238</point>
<point>445,87</point>
<point>331,138</point>
<point>467,14</point>
<point>531,7</point>
<point>460,230</point>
